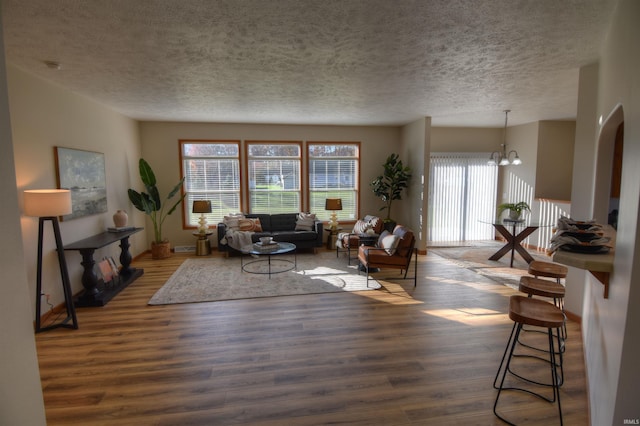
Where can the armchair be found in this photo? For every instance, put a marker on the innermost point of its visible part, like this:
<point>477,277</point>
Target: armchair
<point>393,251</point>
<point>351,240</point>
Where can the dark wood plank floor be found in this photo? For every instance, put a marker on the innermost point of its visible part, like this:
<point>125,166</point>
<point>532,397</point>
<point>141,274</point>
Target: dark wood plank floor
<point>396,356</point>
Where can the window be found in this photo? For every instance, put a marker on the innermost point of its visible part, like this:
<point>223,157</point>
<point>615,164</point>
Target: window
<point>212,172</point>
<point>274,177</point>
<point>333,173</point>
<point>462,191</point>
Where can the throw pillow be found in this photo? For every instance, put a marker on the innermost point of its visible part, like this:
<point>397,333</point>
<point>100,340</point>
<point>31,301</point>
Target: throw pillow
<point>360,227</point>
<point>249,225</point>
<point>305,221</point>
<point>390,243</point>
<point>384,234</point>
<point>231,221</point>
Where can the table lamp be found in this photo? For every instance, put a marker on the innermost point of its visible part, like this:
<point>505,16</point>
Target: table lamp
<point>202,207</point>
<point>48,204</point>
<point>333,204</point>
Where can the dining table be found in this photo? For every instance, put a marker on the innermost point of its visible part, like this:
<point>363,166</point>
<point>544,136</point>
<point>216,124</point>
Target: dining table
<point>514,232</point>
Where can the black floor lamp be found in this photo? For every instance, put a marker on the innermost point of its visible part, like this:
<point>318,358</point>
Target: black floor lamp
<point>48,204</point>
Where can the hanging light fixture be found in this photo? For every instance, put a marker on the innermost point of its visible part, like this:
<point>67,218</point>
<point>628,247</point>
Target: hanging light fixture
<point>502,158</point>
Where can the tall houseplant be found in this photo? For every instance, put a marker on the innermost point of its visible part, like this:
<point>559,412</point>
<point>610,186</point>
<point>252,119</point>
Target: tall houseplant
<point>151,204</point>
<point>390,184</point>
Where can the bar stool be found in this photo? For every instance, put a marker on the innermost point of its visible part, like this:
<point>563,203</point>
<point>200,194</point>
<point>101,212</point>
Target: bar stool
<point>550,289</point>
<point>536,313</point>
<point>543,288</point>
<point>539,268</point>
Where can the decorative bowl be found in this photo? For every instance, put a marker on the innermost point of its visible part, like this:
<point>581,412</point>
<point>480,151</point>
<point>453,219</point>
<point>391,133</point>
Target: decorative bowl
<point>265,240</point>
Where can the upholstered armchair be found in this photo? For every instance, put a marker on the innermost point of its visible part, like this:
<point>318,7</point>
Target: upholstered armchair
<point>394,250</point>
<point>348,241</point>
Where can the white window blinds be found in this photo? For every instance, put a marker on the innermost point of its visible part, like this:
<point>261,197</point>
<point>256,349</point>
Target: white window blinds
<point>462,191</point>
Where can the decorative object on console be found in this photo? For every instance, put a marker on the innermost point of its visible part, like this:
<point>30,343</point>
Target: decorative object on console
<point>202,207</point>
<point>501,158</point>
<point>150,203</point>
<point>390,184</point>
<point>48,204</point>
<point>333,204</point>
<point>120,219</point>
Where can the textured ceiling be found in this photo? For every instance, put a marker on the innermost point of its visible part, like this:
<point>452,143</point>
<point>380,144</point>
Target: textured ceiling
<point>314,62</point>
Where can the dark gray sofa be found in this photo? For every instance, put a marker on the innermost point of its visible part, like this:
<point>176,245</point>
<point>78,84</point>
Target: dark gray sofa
<point>282,227</point>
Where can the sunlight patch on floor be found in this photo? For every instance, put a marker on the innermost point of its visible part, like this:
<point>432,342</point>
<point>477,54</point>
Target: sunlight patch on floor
<point>470,316</point>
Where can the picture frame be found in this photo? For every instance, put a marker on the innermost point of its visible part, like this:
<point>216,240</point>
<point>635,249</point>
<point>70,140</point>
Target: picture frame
<point>83,173</point>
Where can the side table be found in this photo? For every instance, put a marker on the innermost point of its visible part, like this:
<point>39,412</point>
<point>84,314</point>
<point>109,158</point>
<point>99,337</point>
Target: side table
<point>332,237</point>
<point>203,246</point>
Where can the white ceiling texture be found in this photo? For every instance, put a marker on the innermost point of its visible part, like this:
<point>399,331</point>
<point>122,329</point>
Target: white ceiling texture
<point>345,62</point>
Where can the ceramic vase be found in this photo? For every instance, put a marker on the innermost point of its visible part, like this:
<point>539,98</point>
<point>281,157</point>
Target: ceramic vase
<point>120,218</point>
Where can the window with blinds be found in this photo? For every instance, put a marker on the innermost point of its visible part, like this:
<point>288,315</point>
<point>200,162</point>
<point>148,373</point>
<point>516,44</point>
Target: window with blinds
<point>462,192</point>
<point>212,172</point>
<point>273,170</point>
<point>333,173</point>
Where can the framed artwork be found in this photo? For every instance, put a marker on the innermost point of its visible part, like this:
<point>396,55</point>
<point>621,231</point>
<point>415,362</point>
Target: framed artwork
<point>83,173</point>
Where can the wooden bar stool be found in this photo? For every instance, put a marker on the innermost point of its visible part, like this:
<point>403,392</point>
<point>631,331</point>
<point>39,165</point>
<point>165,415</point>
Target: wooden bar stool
<point>535,313</point>
<point>543,288</point>
<point>550,289</point>
<point>538,268</point>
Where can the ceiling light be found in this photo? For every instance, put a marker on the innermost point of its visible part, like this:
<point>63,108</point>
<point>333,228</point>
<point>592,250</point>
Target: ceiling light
<point>501,158</point>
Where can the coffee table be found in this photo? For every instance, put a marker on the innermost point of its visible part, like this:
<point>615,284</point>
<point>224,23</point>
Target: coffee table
<point>262,257</point>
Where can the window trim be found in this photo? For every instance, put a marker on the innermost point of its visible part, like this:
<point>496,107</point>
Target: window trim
<point>247,158</point>
<point>181,159</point>
<point>358,186</point>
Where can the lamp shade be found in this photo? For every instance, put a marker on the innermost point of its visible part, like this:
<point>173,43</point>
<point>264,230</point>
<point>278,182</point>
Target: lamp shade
<point>201,206</point>
<point>47,202</point>
<point>333,204</point>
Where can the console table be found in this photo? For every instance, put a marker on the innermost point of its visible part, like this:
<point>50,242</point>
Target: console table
<point>95,292</point>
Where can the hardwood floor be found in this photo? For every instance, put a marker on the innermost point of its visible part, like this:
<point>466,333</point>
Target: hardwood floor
<point>396,356</point>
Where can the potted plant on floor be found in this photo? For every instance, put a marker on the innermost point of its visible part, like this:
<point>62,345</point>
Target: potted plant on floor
<point>515,209</point>
<point>390,184</point>
<point>150,203</point>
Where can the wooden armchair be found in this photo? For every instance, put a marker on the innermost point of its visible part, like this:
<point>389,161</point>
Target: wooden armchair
<point>351,240</point>
<point>393,251</point>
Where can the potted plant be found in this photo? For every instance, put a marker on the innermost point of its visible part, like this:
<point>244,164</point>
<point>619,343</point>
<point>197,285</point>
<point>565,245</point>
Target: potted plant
<point>390,184</point>
<point>515,209</point>
<point>150,203</point>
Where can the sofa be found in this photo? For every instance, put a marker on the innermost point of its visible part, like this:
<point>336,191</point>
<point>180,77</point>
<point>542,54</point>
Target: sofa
<point>281,227</point>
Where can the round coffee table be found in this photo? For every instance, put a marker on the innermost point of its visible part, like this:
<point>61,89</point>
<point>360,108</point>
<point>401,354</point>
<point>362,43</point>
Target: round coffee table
<point>263,256</point>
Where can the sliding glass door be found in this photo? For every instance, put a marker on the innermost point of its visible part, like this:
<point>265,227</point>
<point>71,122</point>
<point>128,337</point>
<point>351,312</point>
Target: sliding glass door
<point>462,191</point>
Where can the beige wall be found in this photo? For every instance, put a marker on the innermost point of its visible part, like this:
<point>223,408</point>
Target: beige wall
<point>160,149</point>
<point>466,139</point>
<point>21,400</point>
<point>416,141</point>
<point>611,326</point>
<point>555,160</point>
<point>44,116</point>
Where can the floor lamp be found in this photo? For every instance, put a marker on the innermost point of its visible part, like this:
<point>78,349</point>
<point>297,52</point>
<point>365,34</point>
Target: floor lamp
<point>48,204</point>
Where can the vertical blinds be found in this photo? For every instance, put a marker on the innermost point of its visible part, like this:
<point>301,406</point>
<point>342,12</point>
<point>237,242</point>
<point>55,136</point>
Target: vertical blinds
<point>462,191</point>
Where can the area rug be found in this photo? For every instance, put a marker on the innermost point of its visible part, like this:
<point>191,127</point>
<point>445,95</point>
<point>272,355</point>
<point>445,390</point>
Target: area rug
<point>475,257</point>
<point>215,278</point>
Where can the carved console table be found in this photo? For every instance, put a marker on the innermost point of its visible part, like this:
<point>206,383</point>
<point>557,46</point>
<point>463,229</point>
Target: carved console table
<point>95,292</point>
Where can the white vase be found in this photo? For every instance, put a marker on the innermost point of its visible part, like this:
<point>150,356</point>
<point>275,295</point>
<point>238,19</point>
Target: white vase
<point>120,218</point>
<point>514,214</point>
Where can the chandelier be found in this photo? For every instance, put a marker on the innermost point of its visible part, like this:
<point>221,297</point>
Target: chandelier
<point>502,158</point>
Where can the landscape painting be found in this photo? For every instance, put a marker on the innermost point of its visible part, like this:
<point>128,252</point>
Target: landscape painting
<point>83,173</point>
